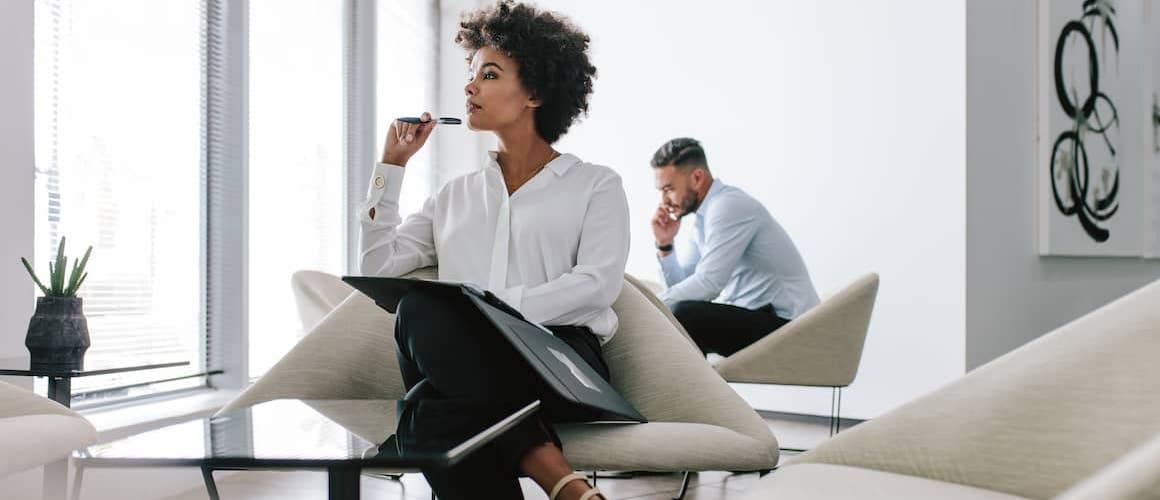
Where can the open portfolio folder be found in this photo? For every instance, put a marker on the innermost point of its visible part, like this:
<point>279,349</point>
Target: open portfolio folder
<point>564,371</point>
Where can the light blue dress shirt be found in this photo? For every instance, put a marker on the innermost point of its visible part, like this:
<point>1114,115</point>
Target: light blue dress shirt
<point>737,255</point>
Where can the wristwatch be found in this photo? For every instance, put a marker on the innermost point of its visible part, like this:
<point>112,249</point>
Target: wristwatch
<point>665,248</point>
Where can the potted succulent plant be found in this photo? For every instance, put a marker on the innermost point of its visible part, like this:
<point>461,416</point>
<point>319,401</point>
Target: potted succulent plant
<point>58,334</point>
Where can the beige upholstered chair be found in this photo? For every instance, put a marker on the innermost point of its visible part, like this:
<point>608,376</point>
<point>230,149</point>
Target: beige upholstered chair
<point>821,348</point>
<point>1073,414</point>
<point>695,421</point>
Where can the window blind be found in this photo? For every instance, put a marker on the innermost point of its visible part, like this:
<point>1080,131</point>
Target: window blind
<point>198,145</point>
<point>117,117</point>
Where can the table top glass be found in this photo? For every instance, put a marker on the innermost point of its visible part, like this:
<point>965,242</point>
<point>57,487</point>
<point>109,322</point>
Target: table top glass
<point>290,433</point>
<point>23,369</point>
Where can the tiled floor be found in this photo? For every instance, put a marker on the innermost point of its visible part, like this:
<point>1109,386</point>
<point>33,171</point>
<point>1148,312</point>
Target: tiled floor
<point>792,432</point>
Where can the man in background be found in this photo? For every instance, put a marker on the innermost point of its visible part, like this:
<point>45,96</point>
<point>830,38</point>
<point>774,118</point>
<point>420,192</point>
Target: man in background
<point>738,276</point>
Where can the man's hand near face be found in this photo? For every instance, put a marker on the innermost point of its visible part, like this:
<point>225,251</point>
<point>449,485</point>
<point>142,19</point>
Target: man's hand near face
<point>664,228</point>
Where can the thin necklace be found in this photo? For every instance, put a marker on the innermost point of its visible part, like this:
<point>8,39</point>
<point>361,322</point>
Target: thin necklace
<point>528,177</point>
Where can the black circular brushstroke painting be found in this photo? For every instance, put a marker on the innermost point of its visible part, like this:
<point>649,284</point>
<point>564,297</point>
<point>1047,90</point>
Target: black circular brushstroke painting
<point>1092,118</point>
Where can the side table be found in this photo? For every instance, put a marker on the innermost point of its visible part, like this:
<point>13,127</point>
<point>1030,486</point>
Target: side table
<point>60,381</point>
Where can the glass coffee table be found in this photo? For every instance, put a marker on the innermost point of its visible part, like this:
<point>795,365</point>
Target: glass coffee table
<point>343,437</point>
<point>60,380</point>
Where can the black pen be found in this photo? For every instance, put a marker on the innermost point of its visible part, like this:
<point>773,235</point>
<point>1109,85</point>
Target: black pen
<point>444,120</point>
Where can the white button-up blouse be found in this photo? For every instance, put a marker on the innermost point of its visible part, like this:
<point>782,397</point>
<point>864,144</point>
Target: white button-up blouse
<point>555,249</point>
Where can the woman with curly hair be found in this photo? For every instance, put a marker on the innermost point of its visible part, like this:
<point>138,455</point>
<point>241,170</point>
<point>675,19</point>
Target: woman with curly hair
<point>543,230</point>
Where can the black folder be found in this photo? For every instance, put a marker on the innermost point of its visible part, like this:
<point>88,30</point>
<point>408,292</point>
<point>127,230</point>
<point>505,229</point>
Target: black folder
<point>561,368</point>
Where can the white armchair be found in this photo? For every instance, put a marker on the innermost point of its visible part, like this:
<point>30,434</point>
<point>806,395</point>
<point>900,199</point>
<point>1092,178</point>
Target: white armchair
<point>695,421</point>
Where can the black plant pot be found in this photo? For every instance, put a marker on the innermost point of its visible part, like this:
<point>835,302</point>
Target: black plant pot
<point>58,334</point>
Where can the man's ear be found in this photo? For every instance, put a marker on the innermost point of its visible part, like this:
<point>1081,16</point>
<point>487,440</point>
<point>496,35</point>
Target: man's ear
<point>698,177</point>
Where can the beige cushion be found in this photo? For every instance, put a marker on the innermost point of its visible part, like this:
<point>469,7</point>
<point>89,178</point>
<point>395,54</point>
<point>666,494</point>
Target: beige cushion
<point>650,289</point>
<point>1033,422</point>
<point>836,482</point>
<point>1135,476</point>
<point>822,347</point>
<point>36,430</point>
<point>667,380</point>
<point>350,354</point>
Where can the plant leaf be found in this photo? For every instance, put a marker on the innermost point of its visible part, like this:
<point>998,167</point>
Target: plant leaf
<point>73,291</point>
<point>84,260</point>
<point>33,274</point>
<point>77,273</point>
<point>58,272</point>
<point>52,279</point>
<point>72,279</point>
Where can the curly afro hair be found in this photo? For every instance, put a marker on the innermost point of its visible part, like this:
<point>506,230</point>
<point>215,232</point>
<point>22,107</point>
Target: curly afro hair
<point>552,54</point>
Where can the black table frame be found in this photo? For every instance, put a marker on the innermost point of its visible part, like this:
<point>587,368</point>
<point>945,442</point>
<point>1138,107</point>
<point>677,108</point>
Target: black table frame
<point>342,475</point>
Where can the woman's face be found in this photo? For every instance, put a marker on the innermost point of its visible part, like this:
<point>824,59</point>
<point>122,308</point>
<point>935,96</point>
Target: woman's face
<point>495,97</point>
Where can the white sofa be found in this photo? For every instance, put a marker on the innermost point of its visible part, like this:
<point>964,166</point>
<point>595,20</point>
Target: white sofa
<point>1074,414</point>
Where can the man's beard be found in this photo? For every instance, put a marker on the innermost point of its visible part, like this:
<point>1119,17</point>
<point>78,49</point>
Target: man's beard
<point>691,203</point>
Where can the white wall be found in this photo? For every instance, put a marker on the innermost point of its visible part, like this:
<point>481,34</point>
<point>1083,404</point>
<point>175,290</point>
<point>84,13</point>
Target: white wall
<point>16,169</point>
<point>459,150</point>
<point>1013,295</point>
<point>845,118</point>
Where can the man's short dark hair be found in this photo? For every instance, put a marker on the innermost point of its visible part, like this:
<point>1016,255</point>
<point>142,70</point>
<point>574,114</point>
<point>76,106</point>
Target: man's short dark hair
<point>683,152</point>
<point>551,51</point>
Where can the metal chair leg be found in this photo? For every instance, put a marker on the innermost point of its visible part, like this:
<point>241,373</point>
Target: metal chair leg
<point>835,410</point>
<point>684,487</point>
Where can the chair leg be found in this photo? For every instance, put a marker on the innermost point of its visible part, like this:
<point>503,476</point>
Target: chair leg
<point>684,487</point>
<point>835,410</point>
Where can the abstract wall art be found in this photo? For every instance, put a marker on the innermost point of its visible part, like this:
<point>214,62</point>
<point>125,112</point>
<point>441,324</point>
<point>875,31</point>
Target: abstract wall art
<point>1095,134</point>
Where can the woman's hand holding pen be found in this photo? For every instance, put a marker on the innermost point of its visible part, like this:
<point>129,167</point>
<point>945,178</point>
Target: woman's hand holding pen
<point>405,139</point>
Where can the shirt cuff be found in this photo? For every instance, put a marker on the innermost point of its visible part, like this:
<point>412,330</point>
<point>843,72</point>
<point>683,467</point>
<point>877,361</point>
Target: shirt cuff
<point>669,259</point>
<point>385,186</point>
<point>386,182</point>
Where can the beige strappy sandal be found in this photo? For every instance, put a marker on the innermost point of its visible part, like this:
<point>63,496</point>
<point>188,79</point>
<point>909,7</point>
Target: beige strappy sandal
<point>569,478</point>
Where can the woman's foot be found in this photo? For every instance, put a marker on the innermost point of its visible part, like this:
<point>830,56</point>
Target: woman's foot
<point>574,487</point>
<point>546,464</point>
